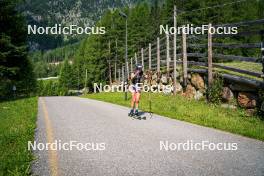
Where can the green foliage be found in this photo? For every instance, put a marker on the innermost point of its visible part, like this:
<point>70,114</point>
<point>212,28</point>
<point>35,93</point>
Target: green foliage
<point>51,88</point>
<point>66,12</point>
<point>48,63</point>
<point>214,92</point>
<point>232,13</point>
<point>17,127</point>
<point>15,67</point>
<point>55,55</point>
<point>93,53</point>
<point>46,88</point>
<point>261,100</point>
<point>65,79</point>
<point>143,28</point>
<point>44,70</point>
<point>58,87</point>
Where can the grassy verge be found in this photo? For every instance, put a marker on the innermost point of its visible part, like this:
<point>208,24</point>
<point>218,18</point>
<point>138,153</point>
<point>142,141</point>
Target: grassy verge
<point>250,66</point>
<point>17,124</point>
<point>254,67</point>
<point>197,112</point>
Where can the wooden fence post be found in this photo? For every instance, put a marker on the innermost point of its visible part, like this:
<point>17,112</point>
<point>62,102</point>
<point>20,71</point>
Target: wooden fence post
<point>262,53</point>
<point>128,73</point>
<point>115,71</point>
<point>158,54</point>
<point>136,61</point>
<point>175,51</point>
<point>115,61</point>
<point>123,75</point>
<point>85,81</point>
<point>109,63</point>
<point>184,59</point>
<point>131,64</point>
<point>149,56</point>
<point>168,52</point>
<point>210,58</point>
<point>110,72</point>
<point>142,57</point>
<point>262,59</point>
<point>119,76</point>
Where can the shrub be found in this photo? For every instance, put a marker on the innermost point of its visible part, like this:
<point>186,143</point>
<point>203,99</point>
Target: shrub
<point>214,93</point>
<point>50,88</point>
<point>261,100</point>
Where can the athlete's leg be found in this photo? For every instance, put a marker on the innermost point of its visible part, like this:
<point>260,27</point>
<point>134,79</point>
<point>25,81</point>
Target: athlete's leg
<point>133,100</point>
<point>137,98</point>
<point>131,113</point>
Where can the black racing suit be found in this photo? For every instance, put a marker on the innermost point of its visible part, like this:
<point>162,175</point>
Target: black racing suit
<point>136,80</point>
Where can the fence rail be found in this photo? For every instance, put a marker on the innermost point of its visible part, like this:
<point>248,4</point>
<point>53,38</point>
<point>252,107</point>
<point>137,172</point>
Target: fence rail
<point>173,50</point>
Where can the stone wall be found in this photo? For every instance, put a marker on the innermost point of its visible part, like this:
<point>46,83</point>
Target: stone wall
<point>233,94</point>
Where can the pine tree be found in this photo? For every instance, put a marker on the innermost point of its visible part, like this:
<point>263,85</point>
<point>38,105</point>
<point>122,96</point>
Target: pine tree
<point>15,67</point>
<point>65,78</point>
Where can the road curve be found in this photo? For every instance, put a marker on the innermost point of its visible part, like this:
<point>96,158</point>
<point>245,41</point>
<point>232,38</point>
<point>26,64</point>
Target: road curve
<point>132,147</point>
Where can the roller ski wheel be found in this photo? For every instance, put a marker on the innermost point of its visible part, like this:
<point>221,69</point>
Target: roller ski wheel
<point>139,117</point>
<point>131,114</point>
<point>144,118</point>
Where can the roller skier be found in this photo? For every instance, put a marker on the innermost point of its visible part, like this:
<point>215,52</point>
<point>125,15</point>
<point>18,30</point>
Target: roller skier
<point>136,81</point>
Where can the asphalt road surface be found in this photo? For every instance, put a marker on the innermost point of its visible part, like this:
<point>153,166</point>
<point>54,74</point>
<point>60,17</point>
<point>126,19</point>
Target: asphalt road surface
<point>117,145</point>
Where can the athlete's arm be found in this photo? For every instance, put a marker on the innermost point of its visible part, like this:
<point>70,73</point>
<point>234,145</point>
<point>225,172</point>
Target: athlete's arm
<point>134,74</point>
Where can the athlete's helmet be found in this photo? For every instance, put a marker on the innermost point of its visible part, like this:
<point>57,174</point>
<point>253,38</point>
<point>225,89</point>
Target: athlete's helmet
<point>139,67</point>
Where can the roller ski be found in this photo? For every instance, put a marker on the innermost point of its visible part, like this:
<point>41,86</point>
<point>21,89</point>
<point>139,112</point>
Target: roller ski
<point>132,114</point>
<point>136,115</point>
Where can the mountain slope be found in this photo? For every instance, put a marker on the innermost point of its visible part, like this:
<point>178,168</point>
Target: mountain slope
<point>65,12</point>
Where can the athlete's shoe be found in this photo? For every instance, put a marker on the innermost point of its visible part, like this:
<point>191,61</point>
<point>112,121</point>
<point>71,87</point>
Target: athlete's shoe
<point>136,113</point>
<point>131,113</point>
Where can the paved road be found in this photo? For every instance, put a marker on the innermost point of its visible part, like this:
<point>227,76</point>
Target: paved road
<point>132,147</point>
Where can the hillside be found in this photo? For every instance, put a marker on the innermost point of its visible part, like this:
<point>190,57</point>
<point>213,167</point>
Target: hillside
<point>65,12</point>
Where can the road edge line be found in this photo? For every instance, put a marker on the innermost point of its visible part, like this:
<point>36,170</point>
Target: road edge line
<point>53,156</point>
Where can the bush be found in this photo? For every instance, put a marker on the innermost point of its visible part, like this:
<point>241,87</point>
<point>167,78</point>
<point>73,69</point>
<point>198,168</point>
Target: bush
<point>261,100</point>
<point>50,88</point>
<point>214,93</point>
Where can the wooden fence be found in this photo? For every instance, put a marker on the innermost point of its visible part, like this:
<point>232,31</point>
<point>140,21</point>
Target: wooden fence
<point>171,50</point>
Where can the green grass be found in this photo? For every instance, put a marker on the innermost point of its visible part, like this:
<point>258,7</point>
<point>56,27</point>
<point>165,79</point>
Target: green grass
<point>17,124</point>
<point>250,66</point>
<point>197,112</point>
